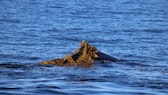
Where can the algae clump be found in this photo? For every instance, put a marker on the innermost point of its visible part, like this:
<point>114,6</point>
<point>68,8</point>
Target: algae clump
<point>84,56</point>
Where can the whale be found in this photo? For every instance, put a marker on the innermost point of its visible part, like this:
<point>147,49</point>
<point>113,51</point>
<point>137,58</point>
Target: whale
<point>103,56</point>
<point>84,56</point>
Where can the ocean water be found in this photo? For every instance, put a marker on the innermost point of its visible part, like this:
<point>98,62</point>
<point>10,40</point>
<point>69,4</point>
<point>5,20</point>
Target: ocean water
<point>32,31</point>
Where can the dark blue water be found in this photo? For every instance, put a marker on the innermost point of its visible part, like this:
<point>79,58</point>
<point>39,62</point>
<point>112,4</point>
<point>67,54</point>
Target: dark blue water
<point>36,30</point>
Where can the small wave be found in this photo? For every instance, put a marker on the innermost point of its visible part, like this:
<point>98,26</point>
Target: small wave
<point>17,56</point>
<point>10,88</point>
<point>8,65</point>
<point>10,20</point>
<point>16,65</point>
<point>155,30</point>
<point>55,7</point>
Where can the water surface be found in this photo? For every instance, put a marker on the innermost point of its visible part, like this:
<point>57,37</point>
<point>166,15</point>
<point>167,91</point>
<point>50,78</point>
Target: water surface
<point>32,31</point>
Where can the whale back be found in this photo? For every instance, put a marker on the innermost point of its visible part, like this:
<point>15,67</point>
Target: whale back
<point>103,56</point>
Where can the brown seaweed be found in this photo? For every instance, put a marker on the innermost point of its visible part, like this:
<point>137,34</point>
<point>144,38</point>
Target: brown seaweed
<point>84,56</point>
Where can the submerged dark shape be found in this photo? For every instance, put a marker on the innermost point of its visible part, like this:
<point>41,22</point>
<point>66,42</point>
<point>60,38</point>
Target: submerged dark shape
<point>84,56</point>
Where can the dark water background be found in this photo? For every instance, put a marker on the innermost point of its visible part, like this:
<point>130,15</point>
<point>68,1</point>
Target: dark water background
<point>35,30</point>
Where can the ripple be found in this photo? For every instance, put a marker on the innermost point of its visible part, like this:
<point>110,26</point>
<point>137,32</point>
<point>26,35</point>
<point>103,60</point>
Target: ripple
<point>155,30</point>
<point>17,56</point>
<point>10,88</point>
<point>11,66</point>
<point>10,21</point>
